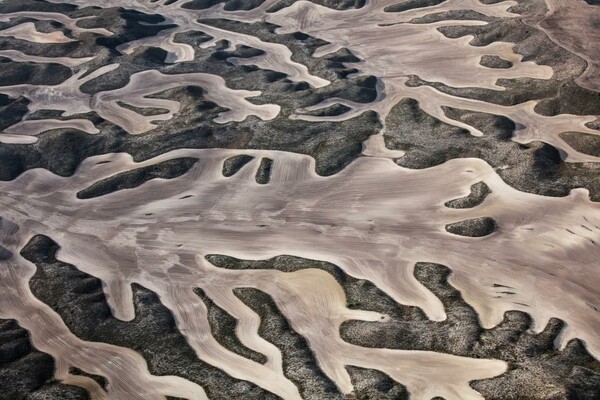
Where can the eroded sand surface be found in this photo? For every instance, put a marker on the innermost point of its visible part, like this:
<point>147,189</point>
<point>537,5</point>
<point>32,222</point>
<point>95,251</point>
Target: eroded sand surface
<point>389,45</point>
<point>374,219</point>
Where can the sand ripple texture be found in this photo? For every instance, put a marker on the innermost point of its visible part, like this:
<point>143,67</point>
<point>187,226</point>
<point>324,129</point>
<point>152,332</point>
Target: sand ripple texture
<point>374,219</point>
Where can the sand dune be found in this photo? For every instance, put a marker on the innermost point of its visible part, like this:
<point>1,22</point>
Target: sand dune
<point>374,219</point>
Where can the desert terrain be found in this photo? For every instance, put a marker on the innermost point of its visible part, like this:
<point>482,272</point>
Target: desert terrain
<point>292,199</point>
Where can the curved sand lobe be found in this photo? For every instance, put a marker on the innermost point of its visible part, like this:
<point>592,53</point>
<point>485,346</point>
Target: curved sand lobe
<point>125,369</point>
<point>27,31</point>
<point>18,56</point>
<point>374,219</point>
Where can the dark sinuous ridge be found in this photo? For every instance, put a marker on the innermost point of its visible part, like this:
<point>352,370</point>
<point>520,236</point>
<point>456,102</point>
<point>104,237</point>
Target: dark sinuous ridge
<point>131,179</point>
<point>479,192</point>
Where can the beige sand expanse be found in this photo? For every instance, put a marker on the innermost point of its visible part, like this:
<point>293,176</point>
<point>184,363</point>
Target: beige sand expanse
<point>374,220</point>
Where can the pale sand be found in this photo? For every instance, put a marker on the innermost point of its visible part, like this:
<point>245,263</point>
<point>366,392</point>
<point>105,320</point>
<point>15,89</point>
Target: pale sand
<point>18,56</point>
<point>27,31</point>
<point>374,219</point>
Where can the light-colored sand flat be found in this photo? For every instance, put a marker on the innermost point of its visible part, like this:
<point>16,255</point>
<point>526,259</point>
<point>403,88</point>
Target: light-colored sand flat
<point>27,31</point>
<point>375,220</point>
<point>18,56</point>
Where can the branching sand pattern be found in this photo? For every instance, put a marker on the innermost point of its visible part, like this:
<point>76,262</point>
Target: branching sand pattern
<point>156,235</point>
<point>389,45</point>
<point>375,220</point>
<point>68,98</point>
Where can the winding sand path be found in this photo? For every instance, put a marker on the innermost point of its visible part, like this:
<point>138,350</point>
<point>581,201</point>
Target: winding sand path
<point>18,56</point>
<point>374,219</point>
<point>67,97</point>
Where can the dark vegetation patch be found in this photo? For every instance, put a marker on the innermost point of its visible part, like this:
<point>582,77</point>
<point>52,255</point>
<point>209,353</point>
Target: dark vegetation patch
<point>131,179</point>
<point>453,15</point>
<point>479,192</point>
<point>583,142</point>
<point>476,227</point>
<point>495,62</point>
<point>535,167</point>
<point>232,165</point>
<point>371,384</point>
<point>18,73</point>
<point>330,111</point>
<point>229,5</point>
<point>412,4</point>
<point>263,175</point>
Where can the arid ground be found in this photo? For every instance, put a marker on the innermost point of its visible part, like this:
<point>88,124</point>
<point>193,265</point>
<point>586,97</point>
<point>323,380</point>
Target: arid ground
<point>292,199</point>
